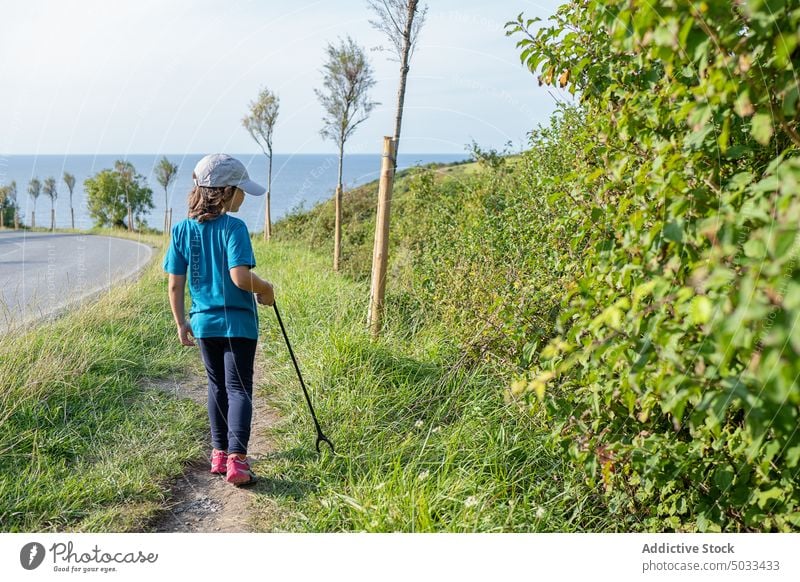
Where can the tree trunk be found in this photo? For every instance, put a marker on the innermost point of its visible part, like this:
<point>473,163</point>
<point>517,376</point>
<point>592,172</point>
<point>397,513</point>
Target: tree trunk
<point>130,218</point>
<point>267,215</point>
<point>52,219</point>
<point>16,220</point>
<point>72,214</point>
<point>337,236</point>
<point>380,253</point>
<point>401,92</point>
<point>33,219</point>
<point>166,211</point>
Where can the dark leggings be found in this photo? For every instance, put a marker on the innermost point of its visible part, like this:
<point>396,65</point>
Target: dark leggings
<point>229,366</point>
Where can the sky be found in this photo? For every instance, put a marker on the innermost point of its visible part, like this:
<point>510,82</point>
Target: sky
<point>177,76</point>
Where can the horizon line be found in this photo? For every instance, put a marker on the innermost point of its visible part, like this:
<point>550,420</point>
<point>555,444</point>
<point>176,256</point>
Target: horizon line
<point>3,155</point>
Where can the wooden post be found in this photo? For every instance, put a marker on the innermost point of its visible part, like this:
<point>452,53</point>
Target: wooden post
<point>380,254</point>
<point>267,219</point>
<point>337,225</point>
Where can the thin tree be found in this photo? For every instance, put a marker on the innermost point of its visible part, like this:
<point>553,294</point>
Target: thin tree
<point>50,191</point>
<point>400,21</point>
<point>34,189</point>
<point>3,197</point>
<point>166,172</point>
<point>260,124</point>
<point>347,78</point>
<point>6,202</point>
<point>126,172</point>
<point>69,180</point>
<point>12,193</point>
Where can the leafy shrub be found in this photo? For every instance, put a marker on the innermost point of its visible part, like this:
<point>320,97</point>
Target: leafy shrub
<point>486,249</point>
<point>8,204</point>
<point>314,226</point>
<point>111,192</point>
<point>674,376</point>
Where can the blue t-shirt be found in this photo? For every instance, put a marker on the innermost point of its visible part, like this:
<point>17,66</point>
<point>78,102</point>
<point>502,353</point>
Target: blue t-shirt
<point>207,250</point>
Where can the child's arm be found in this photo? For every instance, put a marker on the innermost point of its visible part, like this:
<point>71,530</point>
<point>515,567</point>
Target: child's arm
<point>248,281</point>
<point>177,287</point>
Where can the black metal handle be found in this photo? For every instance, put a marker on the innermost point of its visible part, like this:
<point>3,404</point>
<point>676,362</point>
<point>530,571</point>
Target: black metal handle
<point>320,436</point>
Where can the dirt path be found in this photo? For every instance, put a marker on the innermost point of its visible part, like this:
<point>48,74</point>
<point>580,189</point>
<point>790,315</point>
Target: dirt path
<point>200,501</point>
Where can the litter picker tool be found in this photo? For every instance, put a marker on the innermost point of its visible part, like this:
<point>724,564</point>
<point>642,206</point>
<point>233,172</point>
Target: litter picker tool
<point>320,437</point>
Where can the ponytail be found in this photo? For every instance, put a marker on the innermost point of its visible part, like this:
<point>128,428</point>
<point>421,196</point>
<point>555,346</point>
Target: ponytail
<point>206,203</point>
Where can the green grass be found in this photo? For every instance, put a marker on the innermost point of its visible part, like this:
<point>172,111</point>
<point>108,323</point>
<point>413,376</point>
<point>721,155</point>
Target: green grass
<point>82,446</point>
<point>425,438</point>
<point>314,226</point>
<point>424,442</point>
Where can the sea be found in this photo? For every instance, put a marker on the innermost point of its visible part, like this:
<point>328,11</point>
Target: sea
<point>299,181</point>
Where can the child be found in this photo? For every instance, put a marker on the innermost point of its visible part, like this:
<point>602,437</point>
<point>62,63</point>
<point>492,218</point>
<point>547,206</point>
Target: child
<point>215,249</point>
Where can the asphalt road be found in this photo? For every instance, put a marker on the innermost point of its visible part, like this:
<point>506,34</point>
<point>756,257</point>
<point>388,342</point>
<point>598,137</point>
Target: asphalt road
<point>41,274</point>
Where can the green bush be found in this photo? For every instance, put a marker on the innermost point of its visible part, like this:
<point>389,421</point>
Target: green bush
<point>486,251</point>
<point>639,264</point>
<point>111,192</point>
<point>674,376</point>
<point>8,204</point>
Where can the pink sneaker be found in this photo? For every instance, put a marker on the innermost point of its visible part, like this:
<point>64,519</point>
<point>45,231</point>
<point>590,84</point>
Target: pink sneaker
<point>239,472</point>
<point>219,462</point>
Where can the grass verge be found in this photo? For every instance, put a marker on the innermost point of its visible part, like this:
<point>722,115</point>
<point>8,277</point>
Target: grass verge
<point>82,446</point>
<point>424,441</point>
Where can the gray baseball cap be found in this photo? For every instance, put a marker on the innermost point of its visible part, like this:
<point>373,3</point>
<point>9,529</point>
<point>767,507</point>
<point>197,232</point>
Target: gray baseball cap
<point>217,170</point>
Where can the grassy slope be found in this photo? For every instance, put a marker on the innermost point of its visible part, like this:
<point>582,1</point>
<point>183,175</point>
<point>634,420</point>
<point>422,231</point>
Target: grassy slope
<point>313,226</point>
<point>423,442</point>
<point>82,446</point>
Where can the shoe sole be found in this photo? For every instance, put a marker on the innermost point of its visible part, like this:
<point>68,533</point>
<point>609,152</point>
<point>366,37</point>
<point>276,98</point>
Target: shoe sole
<point>253,479</point>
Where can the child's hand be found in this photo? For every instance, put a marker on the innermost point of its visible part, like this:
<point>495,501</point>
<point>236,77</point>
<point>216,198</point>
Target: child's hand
<point>266,298</point>
<point>184,331</point>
